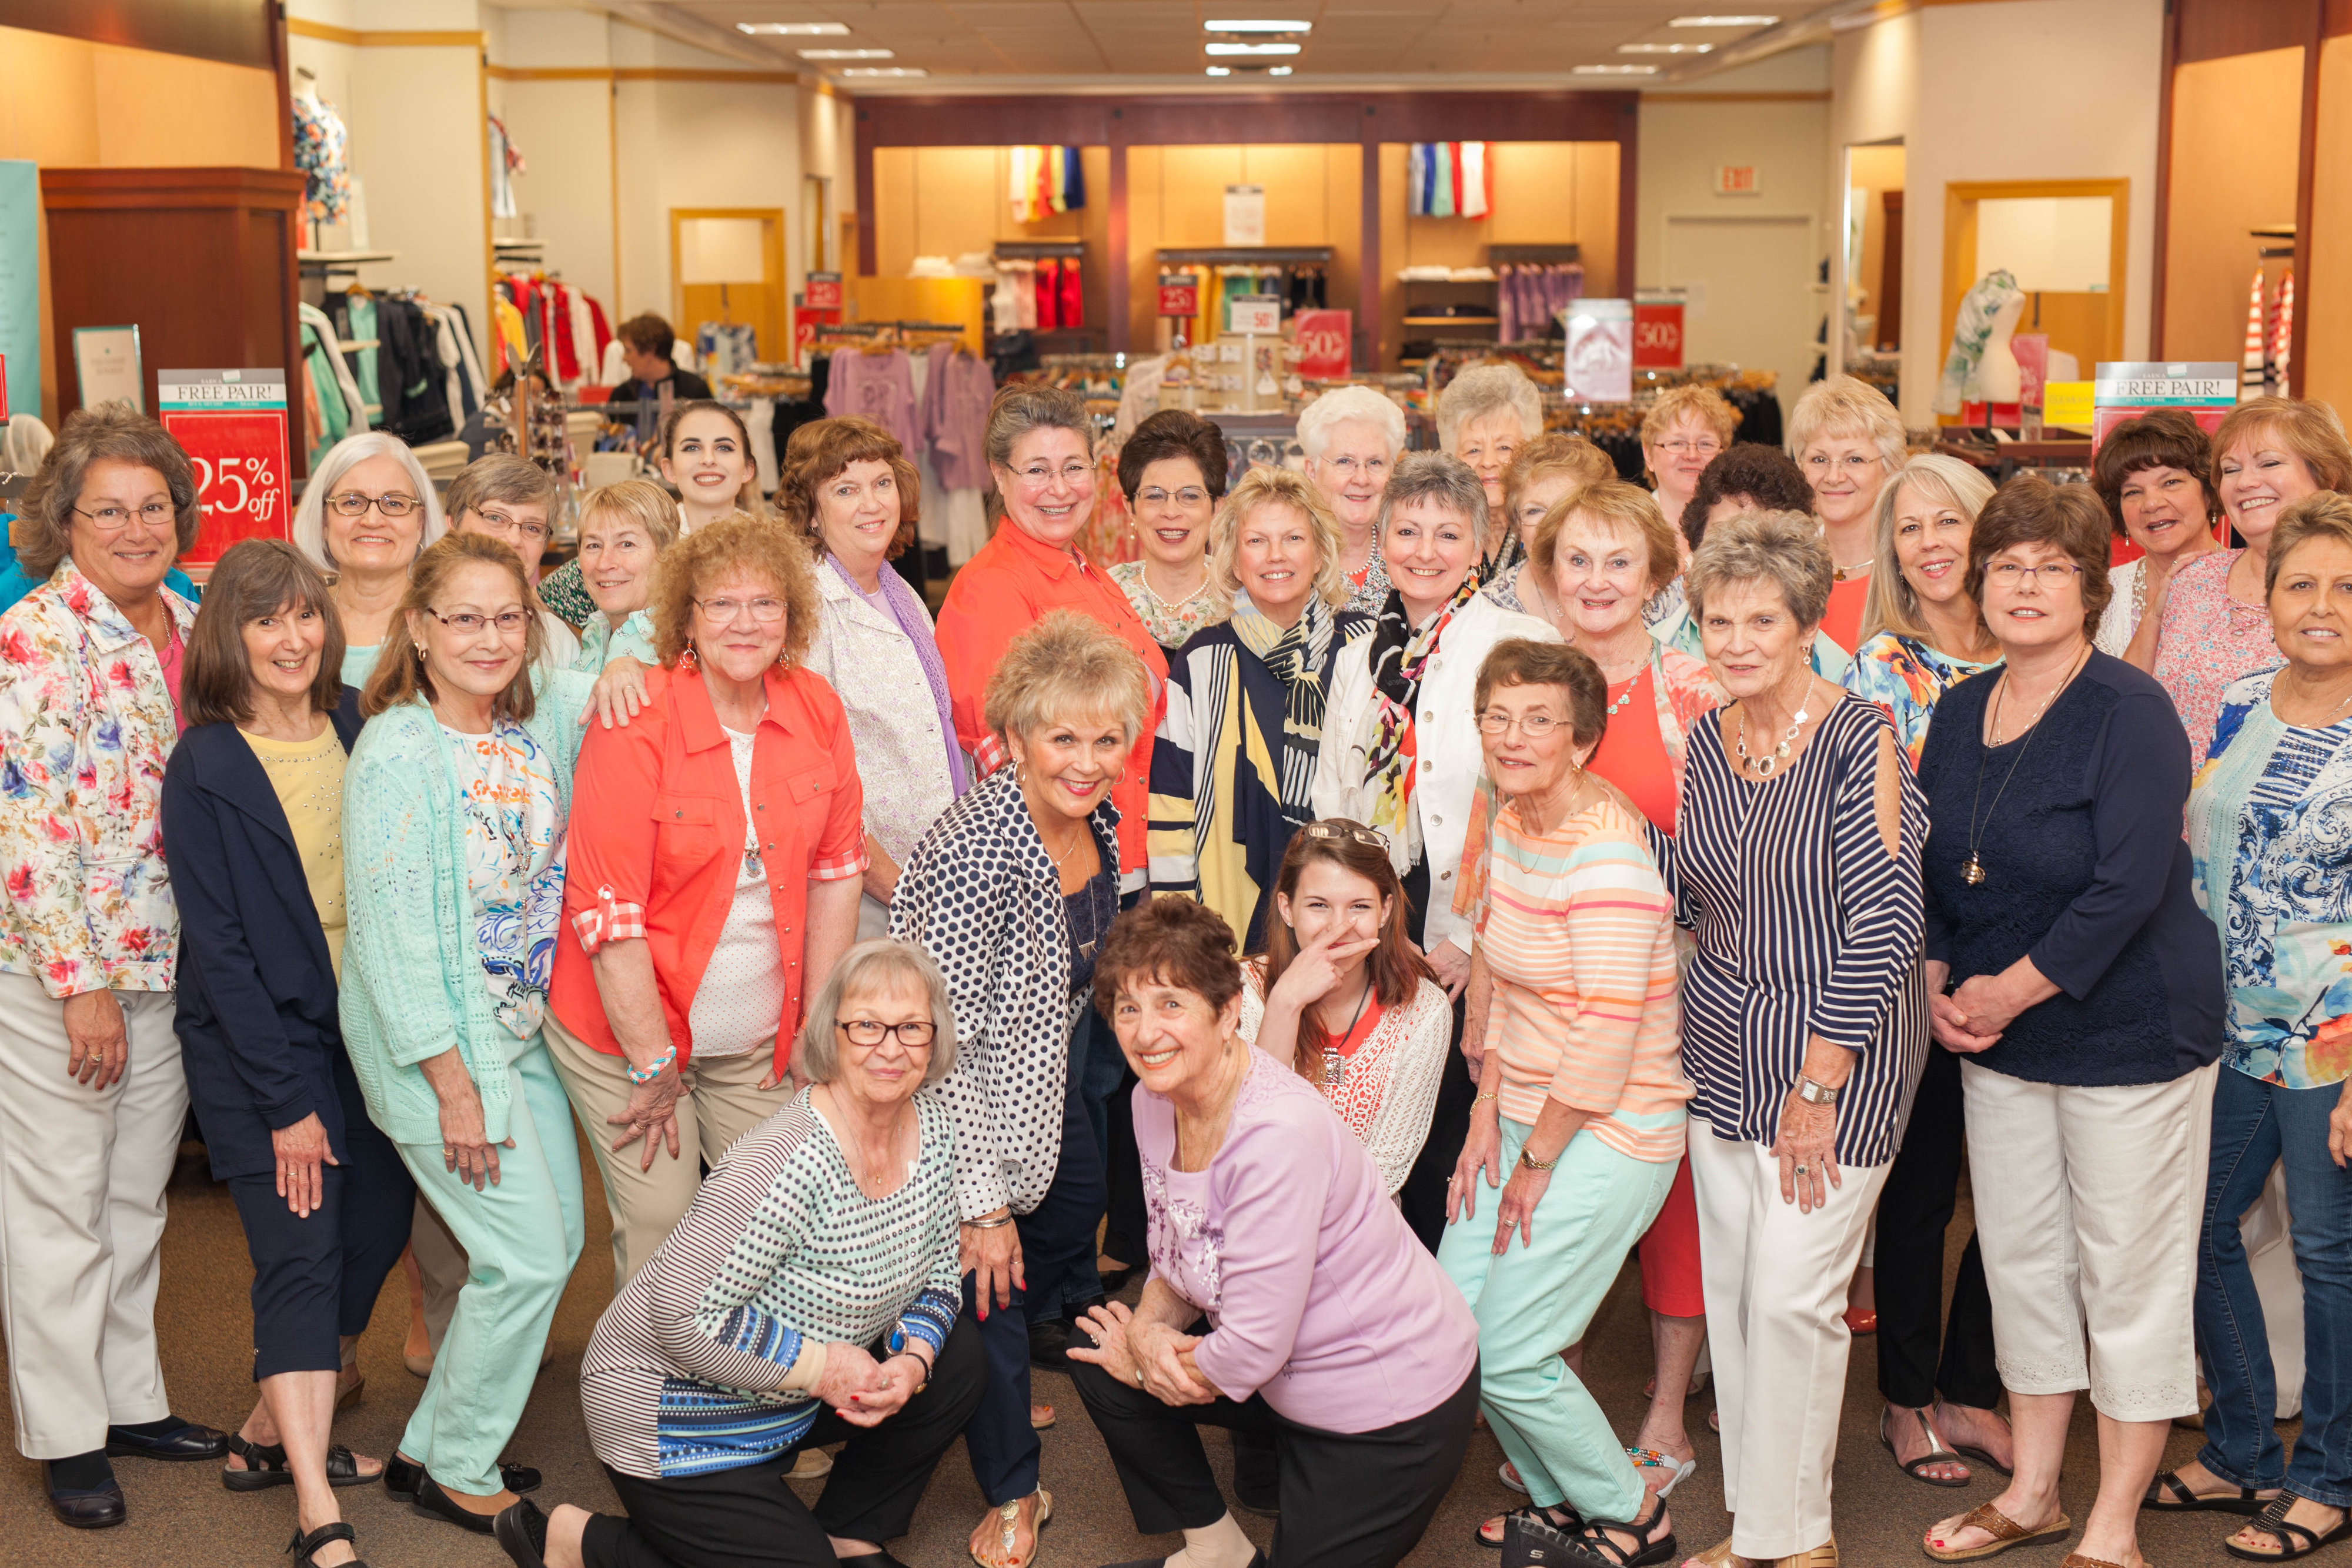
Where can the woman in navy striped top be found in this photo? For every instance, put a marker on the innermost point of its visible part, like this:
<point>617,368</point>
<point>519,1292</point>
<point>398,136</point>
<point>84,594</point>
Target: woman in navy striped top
<point>1804,1019</point>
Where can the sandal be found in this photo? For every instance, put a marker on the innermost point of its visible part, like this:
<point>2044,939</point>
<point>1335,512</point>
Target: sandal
<point>1531,1541</point>
<point>303,1546</point>
<point>1937,1454</point>
<point>2295,1540</point>
<point>1676,1471</point>
<point>266,1467</point>
<point>2005,1531</point>
<point>1654,1543</point>
<point>2183,1501</point>
<point>1501,1523</point>
<point>1008,1517</point>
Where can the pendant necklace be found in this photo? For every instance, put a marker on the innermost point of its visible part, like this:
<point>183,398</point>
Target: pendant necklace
<point>1763,767</point>
<point>1335,1066</point>
<point>1841,573</point>
<point>1972,869</point>
<point>1614,708</point>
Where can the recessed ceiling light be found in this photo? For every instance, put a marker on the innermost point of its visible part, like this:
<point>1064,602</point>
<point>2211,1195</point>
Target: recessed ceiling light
<point>1248,25</point>
<point>796,29</point>
<point>1251,49</point>
<point>1277,70</point>
<point>845,54</point>
<point>1666,48</point>
<point>885,71</point>
<point>1616,70</point>
<point>1220,70</point>
<point>1722,21</point>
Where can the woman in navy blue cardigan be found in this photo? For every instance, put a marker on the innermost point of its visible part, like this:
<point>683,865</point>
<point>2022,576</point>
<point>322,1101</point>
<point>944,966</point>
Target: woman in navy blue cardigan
<point>252,816</point>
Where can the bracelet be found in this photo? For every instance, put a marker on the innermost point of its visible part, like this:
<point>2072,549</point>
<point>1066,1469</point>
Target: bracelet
<point>1536,1165</point>
<point>987,1224</point>
<point>1474,1104</point>
<point>661,1064</point>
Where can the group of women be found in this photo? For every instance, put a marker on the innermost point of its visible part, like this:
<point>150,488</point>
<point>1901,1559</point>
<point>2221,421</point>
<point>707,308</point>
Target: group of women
<point>1412,886</point>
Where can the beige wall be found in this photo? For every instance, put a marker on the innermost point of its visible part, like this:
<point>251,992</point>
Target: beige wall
<point>2237,124</point>
<point>1176,196</point>
<point>949,201</point>
<point>2325,297</point>
<point>68,103</point>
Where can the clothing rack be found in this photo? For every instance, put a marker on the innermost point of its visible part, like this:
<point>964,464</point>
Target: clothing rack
<point>1243,254</point>
<point>1036,249</point>
<point>316,267</point>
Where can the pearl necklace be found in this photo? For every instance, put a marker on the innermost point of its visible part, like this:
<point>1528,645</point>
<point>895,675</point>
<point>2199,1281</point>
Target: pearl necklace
<point>1144,576</point>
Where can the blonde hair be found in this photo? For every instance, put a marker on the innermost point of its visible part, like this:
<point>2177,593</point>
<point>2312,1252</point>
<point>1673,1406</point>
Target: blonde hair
<point>639,501</point>
<point>1267,487</point>
<point>1842,406</point>
<point>755,546</point>
<point>1625,510</point>
<point>1554,451</point>
<point>2309,430</point>
<point>1066,665</point>
<point>1704,404</point>
<point>400,675</point>
<point>1891,604</point>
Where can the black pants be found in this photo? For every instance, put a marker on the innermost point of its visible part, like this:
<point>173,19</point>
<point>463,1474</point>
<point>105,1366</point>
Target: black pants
<point>748,1518</point>
<point>1349,1500</point>
<point>1913,1209</point>
<point>1126,1235</point>
<point>1054,1235</point>
<point>1422,1197</point>
<point>316,1279</point>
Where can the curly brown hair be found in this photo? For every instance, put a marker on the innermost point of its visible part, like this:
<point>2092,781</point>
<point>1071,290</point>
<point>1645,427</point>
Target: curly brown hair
<point>400,675</point>
<point>1171,940</point>
<point>821,452</point>
<point>735,543</point>
<point>2160,438</point>
<point>111,432</point>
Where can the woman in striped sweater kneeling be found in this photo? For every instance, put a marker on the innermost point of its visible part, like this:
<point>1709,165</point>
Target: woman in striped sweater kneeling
<point>810,1295</point>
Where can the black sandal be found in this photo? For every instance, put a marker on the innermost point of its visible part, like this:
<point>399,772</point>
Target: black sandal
<point>1596,1547</point>
<point>1937,1454</point>
<point>2295,1540</point>
<point>2183,1501</point>
<point>265,1466</point>
<point>1575,1522</point>
<point>302,1546</point>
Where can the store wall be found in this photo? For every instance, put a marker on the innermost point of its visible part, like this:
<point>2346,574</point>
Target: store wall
<point>2325,296</point>
<point>2237,126</point>
<point>1176,196</point>
<point>551,87</point>
<point>952,200</point>
<point>2014,89</point>
<point>69,103</point>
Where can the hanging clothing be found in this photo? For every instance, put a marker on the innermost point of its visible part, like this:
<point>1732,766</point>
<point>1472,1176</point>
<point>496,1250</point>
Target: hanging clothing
<point>1049,293</point>
<point>354,407</point>
<point>505,163</point>
<point>1471,161</point>
<point>879,386</point>
<point>1961,379</point>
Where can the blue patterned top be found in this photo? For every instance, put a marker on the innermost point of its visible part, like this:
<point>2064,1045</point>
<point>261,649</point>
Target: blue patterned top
<point>2270,829</point>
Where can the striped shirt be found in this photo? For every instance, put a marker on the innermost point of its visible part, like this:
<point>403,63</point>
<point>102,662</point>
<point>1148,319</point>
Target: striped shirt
<point>1578,932</point>
<point>705,1361</point>
<point>1805,926</point>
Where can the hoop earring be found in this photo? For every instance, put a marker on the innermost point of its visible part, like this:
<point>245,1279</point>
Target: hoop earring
<point>686,657</point>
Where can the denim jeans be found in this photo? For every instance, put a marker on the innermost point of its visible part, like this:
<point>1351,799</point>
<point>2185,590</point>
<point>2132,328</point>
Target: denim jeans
<point>2256,1125</point>
<point>1096,1069</point>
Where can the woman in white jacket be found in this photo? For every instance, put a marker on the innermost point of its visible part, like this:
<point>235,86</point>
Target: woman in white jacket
<point>1401,749</point>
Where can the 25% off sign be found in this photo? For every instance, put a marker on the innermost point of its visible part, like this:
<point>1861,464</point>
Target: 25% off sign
<point>232,424</point>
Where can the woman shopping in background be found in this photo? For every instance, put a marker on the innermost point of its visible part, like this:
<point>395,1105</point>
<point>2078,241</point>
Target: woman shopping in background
<point>253,807</point>
<point>1013,893</point>
<point>1172,471</point>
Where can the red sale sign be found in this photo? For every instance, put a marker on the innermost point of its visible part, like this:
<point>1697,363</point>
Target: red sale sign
<point>232,424</point>
<point>1326,343</point>
<point>1180,294</point>
<point>1658,332</point>
<point>822,291</point>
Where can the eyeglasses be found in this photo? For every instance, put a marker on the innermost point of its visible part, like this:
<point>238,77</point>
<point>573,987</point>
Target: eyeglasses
<point>1339,832</point>
<point>114,519</point>
<point>351,504</point>
<point>1534,726</point>
<point>1071,472</point>
<point>1349,466</point>
<point>500,522</point>
<point>1853,463</point>
<point>466,623</point>
<point>1190,495</point>
<point>1705,446</point>
<point>2009,573</point>
<point>720,611</point>
<point>915,1034</point>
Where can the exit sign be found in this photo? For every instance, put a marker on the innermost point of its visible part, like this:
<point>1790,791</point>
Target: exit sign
<point>1735,180</point>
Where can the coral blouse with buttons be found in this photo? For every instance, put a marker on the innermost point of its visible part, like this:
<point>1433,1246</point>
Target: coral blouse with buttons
<point>1001,593</point>
<point>657,838</point>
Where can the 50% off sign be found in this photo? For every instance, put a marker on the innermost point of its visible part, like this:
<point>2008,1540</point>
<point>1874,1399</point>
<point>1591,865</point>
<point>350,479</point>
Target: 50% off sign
<point>232,424</point>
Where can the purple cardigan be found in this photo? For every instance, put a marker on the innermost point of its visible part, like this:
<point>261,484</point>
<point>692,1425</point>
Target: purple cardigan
<point>1319,1297</point>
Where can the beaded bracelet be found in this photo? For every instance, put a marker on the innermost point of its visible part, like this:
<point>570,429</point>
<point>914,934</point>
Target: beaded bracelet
<point>661,1064</point>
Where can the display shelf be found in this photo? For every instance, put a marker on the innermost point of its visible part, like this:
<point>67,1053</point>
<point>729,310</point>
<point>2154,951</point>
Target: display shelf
<point>1242,255</point>
<point>335,260</point>
<point>1452,321</point>
<point>1499,254</point>
<point>1039,249</point>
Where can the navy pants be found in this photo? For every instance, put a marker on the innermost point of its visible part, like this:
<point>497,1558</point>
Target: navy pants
<point>1055,1237</point>
<point>315,1280</point>
<point>1920,1350</point>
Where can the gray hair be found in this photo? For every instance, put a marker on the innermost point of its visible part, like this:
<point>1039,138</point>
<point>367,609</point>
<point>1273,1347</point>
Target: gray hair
<point>1340,405</point>
<point>310,529</point>
<point>879,964</point>
<point>1021,408</point>
<point>1483,389</point>
<point>111,432</point>
<point>1433,477</point>
<point>1781,549</point>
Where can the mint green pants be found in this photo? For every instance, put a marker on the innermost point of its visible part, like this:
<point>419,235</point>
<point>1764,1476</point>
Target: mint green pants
<point>522,1236</point>
<point>1535,1299</point>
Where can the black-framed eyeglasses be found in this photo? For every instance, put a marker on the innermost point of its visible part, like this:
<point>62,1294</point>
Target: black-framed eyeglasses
<point>915,1034</point>
<point>351,504</point>
<point>1333,832</point>
<point>466,622</point>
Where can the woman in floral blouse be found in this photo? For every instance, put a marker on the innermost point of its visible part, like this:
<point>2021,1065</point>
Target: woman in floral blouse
<point>1173,470</point>
<point>1920,630</point>
<point>2274,868</point>
<point>90,675</point>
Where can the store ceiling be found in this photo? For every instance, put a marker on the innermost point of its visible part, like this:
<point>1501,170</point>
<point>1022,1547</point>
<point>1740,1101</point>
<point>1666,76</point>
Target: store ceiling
<point>1077,43</point>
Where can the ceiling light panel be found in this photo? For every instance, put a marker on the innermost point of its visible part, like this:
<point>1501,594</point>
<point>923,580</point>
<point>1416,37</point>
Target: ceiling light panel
<point>1616,70</point>
<point>1723,22</point>
<point>1231,50</point>
<point>846,54</point>
<point>796,29</point>
<point>885,71</point>
<point>1220,70</point>
<point>1247,24</point>
<point>1666,48</point>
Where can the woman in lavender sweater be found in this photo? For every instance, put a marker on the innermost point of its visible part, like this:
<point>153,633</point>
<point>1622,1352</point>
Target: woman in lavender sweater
<point>1287,1298</point>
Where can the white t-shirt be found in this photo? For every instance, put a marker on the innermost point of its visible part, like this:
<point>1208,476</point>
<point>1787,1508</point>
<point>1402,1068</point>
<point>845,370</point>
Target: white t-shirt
<point>742,996</point>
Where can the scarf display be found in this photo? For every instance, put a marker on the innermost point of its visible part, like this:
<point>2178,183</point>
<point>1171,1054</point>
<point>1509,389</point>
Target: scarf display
<point>1296,658</point>
<point>1399,655</point>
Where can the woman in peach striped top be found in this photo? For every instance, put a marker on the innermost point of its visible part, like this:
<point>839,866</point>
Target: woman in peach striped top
<point>1574,931</point>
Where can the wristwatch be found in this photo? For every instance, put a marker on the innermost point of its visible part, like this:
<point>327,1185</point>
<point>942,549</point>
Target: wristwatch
<point>1814,1093</point>
<point>1536,1165</point>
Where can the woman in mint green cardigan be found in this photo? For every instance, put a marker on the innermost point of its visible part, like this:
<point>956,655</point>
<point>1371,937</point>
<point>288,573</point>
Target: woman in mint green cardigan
<point>454,806</point>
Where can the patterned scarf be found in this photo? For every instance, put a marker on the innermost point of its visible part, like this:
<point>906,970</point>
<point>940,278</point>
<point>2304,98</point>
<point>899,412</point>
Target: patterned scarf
<point>1399,655</point>
<point>1296,658</point>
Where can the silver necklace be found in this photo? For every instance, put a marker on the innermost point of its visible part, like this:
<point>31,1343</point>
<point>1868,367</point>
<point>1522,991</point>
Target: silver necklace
<point>1764,767</point>
<point>1972,869</point>
<point>1335,1066</point>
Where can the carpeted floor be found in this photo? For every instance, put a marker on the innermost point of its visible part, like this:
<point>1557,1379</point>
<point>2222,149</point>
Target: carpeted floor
<point>181,1517</point>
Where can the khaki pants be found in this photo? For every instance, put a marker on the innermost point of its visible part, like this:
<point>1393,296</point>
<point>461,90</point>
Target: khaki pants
<point>725,1102</point>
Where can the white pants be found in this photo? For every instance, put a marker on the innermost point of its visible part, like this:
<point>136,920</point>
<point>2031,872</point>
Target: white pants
<point>83,1173</point>
<point>1776,1281</point>
<point>2089,1201</point>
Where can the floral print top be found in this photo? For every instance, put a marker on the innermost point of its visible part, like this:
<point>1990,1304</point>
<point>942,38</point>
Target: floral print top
<point>87,723</point>
<point>564,592</point>
<point>318,153</point>
<point>1171,625</point>
<point>601,641</point>
<point>1906,676</point>
<point>2273,867</point>
<point>2207,640</point>
<point>514,866</point>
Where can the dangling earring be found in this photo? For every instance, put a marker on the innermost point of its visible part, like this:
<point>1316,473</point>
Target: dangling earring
<point>783,658</point>
<point>686,657</point>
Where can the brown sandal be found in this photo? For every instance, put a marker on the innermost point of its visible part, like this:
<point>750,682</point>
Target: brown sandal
<point>2076,1560</point>
<point>2005,1531</point>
